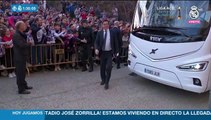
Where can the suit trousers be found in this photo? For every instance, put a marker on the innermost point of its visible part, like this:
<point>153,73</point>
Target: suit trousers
<point>118,58</point>
<point>105,66</point>
<point>87,55</point>
<point>21,74</point>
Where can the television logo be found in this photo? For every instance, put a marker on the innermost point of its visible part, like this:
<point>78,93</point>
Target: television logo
<point>14,8</point>
<point>19,8</point>
<point>24,8</point>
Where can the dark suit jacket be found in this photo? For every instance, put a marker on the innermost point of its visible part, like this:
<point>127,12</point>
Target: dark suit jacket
<point>118,34</point>
<point>87,34</point>
<point>100,42</point>
<point>35,29</point>
<point>21,47</point>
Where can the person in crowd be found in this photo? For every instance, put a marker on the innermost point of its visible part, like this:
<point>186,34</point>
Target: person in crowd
<point>39,35</point>
<point>3,26</point>
<point>64,5</point>
<point>20,56</point>
<point>11,21</point>
<point>50,42</point>
<point>115,13</point>
<point>71,9</point>
<point>91,11</point>
<point>9,52</point>
<point>86,36</point>
<point>2,55</point>
<point>104,15</point>
<point>59,35</point>
<point>38,30</point>
<point>95,31</point>
<point>77,13</point>
<point>72,45</point>
<point>65,24</point>
<point>28,33</point>
<point>83,15</point>
<point>78,34</point>
<point>106,47</point>
<point>31,19</point>
<point>118,34</point>
<point>28,27</point>
<point>98,11</point>
<point>12,30</point>
<point>125,41</point>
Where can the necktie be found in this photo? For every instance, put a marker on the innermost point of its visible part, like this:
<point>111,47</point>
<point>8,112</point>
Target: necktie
<point>105,35</point>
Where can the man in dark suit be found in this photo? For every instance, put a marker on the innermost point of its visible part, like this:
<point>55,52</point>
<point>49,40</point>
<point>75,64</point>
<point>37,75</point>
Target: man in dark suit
<point>21,48</point>
<point>106,47</point>
<point>118,34</point>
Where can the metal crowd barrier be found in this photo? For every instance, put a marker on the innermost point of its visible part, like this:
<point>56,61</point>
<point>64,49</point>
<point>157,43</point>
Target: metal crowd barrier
<point>46,55</point>
<point>6,60</point>
<point>50,54</point>
<point>41,55</point>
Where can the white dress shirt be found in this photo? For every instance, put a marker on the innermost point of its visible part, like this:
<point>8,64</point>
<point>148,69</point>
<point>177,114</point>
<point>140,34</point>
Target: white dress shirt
<point>108,41</point>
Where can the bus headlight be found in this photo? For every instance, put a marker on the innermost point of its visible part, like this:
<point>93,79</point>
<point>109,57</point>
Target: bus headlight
<point>200,66</point>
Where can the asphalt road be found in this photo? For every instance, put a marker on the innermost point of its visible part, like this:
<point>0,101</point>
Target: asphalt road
<point>68,89</point>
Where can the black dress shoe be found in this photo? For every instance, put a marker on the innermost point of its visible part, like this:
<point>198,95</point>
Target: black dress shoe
<point>75,67</point>
<point>29,88</point>
<point>90,70</point>
<point>24,92</point>
<point>106,87</point>
<point>102,83</point>
<point>125,64</point>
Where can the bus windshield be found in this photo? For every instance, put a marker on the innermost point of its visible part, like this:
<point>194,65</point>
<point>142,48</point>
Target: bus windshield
<point>175,21</point>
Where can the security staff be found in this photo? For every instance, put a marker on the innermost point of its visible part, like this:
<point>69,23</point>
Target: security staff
<point>87,44</point>
<point>118,34</point>
<point>21,48</point>
<point>106,46</point>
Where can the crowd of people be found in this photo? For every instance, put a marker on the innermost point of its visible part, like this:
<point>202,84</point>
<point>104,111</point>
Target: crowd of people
<point>75,28</point>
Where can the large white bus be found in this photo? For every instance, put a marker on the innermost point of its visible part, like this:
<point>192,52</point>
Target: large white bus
<point>170,43</point>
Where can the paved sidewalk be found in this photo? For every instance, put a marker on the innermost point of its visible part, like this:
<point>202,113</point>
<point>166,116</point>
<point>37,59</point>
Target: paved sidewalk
<point>68,89</point>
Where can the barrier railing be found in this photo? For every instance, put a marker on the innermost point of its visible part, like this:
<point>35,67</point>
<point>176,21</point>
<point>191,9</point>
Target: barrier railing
<point>52,54</point>
<point>47,54</point>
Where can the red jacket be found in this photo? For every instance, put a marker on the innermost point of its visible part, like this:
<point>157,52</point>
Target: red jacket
<point>7,39</point>
<point>83,16</point>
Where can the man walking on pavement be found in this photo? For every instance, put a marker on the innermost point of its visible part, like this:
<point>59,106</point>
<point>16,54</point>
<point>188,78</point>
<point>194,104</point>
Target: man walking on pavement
<point>106,47</point>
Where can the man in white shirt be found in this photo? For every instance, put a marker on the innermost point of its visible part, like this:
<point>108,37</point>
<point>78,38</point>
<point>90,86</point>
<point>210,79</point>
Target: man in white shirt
<point>106,46</point>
